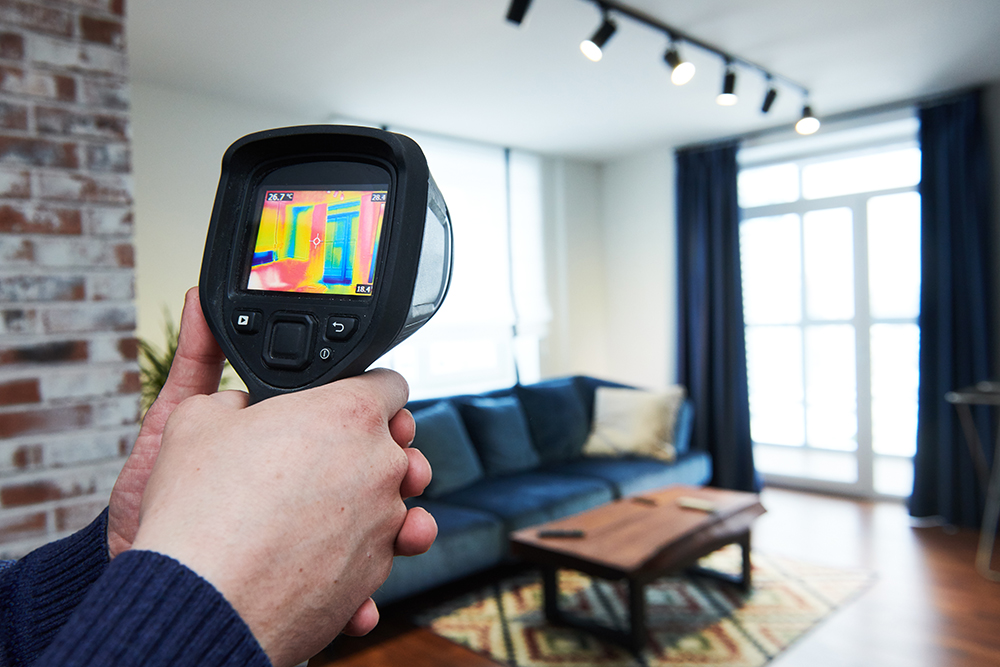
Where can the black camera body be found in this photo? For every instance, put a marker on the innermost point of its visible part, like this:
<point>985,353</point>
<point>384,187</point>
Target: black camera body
<point>328,246</point>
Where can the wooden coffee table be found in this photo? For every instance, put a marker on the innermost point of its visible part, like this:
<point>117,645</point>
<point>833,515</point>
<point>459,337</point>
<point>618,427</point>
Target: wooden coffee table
<point>640,539</point>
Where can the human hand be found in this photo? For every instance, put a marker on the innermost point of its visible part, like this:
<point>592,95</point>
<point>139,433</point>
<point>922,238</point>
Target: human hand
<point>300,498</point>
<point>196,370</point>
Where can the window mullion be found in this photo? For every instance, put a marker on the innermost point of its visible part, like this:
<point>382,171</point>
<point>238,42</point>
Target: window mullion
<point>862,333</point>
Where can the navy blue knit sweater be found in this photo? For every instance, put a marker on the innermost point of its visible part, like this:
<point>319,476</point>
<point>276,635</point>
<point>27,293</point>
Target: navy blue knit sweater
<point>65,604</point>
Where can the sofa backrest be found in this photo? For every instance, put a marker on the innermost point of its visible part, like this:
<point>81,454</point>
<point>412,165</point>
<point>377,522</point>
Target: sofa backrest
<point>468,437</point>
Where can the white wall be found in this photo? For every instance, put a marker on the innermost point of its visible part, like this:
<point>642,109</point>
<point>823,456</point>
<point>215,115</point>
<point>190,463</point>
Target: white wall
<point>576,276</point>
<point>640,246</point>
<point>611,269</point>
<point>178,139</point>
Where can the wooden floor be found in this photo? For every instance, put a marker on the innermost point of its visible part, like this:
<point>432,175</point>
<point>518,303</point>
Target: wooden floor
<point>928,607</point>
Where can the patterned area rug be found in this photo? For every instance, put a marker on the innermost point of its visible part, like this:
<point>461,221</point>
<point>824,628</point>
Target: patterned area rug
<point>692,620</point>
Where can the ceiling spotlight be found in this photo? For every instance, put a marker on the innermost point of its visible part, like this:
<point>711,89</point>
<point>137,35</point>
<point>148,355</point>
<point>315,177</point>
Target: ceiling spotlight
<point>772,94</point>
<point>680,71</point>
<point>517,10</point>
<point>727,97</point>
<point>808,124</point>
<point>592,47</point>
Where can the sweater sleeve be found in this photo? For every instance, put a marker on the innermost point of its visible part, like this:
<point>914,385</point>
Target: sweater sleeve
<point>149,610</point>
<point>39,592</point>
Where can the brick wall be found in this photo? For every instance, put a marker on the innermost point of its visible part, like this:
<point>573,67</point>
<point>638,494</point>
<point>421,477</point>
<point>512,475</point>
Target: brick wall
<point>69,380</point>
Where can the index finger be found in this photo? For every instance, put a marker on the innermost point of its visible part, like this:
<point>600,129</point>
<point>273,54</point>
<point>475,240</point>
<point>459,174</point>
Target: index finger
<point>382,391</point>
<point>388,386</point>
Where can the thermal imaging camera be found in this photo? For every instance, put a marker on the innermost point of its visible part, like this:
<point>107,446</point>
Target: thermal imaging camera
<point>328,246</point>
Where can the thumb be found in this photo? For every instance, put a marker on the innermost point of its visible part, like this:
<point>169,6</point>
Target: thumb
<point>197,366</point>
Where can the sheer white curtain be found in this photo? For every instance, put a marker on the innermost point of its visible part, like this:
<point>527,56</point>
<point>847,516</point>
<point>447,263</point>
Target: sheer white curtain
<point>487,333</point>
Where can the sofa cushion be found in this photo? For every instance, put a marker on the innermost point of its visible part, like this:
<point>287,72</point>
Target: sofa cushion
<point>442,438</point>
<point>499,431</point>
<point>557,418</point>
<point>631,475</point>
<point>634,421</point>
<point>528,498</point>
<point>468,541</point>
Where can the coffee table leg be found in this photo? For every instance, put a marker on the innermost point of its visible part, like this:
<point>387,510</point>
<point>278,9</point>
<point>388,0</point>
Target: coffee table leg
<point>744,542</point>
<point>634,638</point>
<point>743,580</point>
<point>637,615</point>
<point>550,594</point>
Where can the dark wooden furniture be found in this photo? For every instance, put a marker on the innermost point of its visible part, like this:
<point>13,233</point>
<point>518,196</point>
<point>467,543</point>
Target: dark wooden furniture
<point>639,539</point>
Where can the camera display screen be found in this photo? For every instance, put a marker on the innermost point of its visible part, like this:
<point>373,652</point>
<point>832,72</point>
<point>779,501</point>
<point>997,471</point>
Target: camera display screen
<point>318,241</point>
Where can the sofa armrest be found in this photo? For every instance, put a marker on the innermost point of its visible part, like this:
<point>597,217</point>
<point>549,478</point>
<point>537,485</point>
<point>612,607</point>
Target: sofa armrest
<point>684,427</point>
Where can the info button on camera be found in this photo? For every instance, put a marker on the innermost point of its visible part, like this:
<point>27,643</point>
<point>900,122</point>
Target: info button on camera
<point>340,328</point>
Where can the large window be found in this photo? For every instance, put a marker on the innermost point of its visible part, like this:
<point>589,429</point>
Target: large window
<point>830,248</point>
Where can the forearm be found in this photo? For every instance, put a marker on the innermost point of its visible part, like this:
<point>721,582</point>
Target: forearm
<point>149,610</point>
<point>40,592</point>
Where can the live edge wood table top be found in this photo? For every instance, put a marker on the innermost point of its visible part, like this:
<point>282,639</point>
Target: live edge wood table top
<point>640,538</point>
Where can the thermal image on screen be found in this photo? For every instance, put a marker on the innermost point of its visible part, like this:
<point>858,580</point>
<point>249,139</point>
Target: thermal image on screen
<point>318,241</point>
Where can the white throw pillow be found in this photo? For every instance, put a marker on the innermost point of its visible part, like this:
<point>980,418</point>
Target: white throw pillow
<point>634,421</point>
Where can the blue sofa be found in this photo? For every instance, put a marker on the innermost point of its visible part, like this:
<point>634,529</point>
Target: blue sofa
<point>513,458</point>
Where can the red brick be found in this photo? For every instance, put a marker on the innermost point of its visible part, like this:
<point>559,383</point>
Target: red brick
<point>105,93</point>
<point>19,321</point>
<point>107,189</point>
<point>110,6</point>
<point>18,220</point>
<point>109,157</point>
<point>108,221</point>
<point>80,252</point>
<point>50,420</point>
<point>11,46</point>
<point>46,85</point>
<point>54,52</point>
<point>125,252</point>
<point>16,251</point>
<point>45,353</point>
<point>22,527</point>
<point>43,288</point>
<point>52,120</point>
<point>19,495</point>
<point>19,392</point>
<point>15,184</point>
<point>27,456</point>
<point>13,116</point>
<point>36,18</point>
<point>116,286</point>
<point>131,383</point>
<point>38,152</point>
<point>129,348</point>
<point>81,320</point>
<point>102,31</point>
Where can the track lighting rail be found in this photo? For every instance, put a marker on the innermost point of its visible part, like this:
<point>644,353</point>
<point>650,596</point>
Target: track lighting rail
<point>676,35</point>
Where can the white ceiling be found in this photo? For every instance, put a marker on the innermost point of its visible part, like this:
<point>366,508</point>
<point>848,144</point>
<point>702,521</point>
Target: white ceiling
<point>457,67</point>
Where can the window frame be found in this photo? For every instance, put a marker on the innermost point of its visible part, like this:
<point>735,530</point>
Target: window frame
<point>898,132</point>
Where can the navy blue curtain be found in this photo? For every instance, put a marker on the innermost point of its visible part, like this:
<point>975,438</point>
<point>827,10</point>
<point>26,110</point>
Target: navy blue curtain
<point>955,305</point>
<point>712,350</point>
